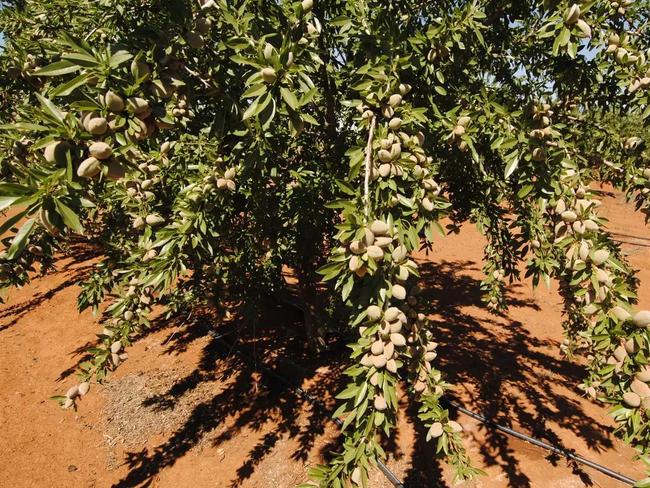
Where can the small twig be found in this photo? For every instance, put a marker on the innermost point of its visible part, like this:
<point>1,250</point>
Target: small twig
<point>366,185</point>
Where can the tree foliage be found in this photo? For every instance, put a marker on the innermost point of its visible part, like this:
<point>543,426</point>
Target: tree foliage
<point>206,147</point>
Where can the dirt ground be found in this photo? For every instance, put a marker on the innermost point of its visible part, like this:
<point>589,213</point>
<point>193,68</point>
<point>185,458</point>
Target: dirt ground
<point>185,411</point>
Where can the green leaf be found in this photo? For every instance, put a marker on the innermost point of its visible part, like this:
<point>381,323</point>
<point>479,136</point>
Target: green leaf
<point>289,98</point>
<point>50,108</point>
<point>20,239</point>
<point>58,68</point>
<point>70,219</point>
<point>67,88</point>
<point>118,58</point>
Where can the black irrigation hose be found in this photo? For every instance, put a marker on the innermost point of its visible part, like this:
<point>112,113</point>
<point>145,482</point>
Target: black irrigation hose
<point>542,444</point>
<point>450,403</point>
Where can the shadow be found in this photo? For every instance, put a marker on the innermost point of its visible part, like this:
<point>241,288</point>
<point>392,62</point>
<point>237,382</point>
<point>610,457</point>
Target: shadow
<point>505,371</point>
<point>74,270</point>
<point>250,397</point>
<point>508,373</point>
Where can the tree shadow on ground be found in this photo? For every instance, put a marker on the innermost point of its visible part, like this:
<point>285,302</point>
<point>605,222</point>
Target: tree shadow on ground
<point>74,270</point>
<point>251,395</point>
<point>511,376</point>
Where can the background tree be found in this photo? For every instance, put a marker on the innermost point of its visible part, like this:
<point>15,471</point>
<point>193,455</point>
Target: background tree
<point>207,147</point>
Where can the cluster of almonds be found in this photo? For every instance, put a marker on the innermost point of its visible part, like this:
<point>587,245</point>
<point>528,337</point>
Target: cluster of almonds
<point>541,114</point>
<point>137,302</point>
<point>620,6</point>
<point>623,55</point>
<point>377,241</point>
<point>75,392</point>
<point>572,18</point>
<point>460,128</point>
<point>642,82</point>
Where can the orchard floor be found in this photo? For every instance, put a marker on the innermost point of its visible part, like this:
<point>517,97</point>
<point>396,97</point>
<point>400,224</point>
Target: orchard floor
<point>184,412</point>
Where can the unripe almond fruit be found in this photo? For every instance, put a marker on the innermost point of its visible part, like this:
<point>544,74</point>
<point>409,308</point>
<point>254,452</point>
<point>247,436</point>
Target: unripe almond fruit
<point>631,399</point>
<point>464,121</point>
<point>395,100</point>
<point>354,263</point>
<point>357,247</point>
<point>56,152</point>
<point>459,130</point>
<point>398,339</point>
<point>572,14</point>
<point>398,292</point>
<point>84,388</point>
<point>436,429</point>
<point>307,5</point>
<point>128,315</point>
<point>404,88</point>
<point>395,123</point>
<point>74,391</point>
<point>391,365</point>
<point>640,388</point>
<point>373,312</point>
<point>379,228</point>
<point>375,252</point>
<point>584,27</point>
<point>377,347</point>
<point>137,105</point>
<point>116,347</point>
<point>89,168</point>
<point>389,350</point>
<point>620,353</point>
<point>100,150</point>
<point>369,237</point>
<point>154,220</point>
<point>69,402</point>
<point>392,314</point>
<point>97,126</point>
<point>380,403</point>
<point>203,25</point>
<point>569,216</point>
<point>268,75</point>
<point>642,318</point>
<point>366,360</point>
<point>378,361</point>
<point>644,374</point>
<point>114,102</point>
<point>620,313</point>
<point>399,254</point>
<point>383,241</point>
<point>600,257</point>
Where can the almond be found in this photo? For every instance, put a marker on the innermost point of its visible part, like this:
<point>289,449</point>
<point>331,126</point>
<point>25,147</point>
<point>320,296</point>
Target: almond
<point>642,318</point>
<point>620,313</point>
<point>89,168</point>
<point>194,40</point>
<point>391,366</point>
<point>74,391</point>
<point>357,247</point>
<point>114,102</point>
<point>398,292</point>
<point>600,256</point>
<point>640,388</point>
<point>377,347</point>
<point>569,216</point>
<point>631,399</point>
<point>392,314</point>
<point>97,126</point>
<point>399,254</point>
<point>395,100</point>
<point>436,429</point>
<point>644,374</point>
<point>455,426</point>
<point>572,14</point>
<point>56,152</point>
<point>375,252</point>
<point>373,312</point>
<point>84,388</point>
<point>380,403</point>
<point>395,123</point>
<point>378,361</point>
<point>398,340</point>
<point>100,150</point>
<point>154,220</point>
<point>268,75</point>
<point>379,228</point>
<point>116,347</point>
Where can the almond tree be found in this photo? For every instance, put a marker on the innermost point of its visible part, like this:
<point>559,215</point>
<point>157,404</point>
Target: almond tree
<point>203,147</point>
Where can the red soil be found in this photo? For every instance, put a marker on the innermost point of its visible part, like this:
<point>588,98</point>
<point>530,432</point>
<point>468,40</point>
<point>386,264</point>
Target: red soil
<point>183,412</point>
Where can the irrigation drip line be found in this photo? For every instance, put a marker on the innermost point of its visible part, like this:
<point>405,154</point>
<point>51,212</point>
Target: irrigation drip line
<point>537,442</point>
<point>629,235</point>
<point>450,403</point>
